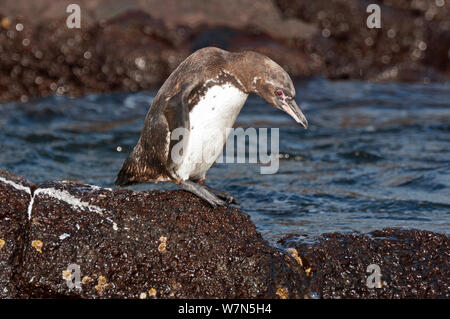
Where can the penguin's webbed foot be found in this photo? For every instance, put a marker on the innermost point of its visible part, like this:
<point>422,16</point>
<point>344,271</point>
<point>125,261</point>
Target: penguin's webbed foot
<point>227,197</point>
<point>202,192</point>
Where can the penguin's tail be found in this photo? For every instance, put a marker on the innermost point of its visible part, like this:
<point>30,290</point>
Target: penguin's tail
<point>132,171</point>
<point>126,176</point>
<point>138,169</point>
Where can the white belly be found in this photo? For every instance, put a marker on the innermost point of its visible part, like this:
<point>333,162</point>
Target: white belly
<point>209,121</point>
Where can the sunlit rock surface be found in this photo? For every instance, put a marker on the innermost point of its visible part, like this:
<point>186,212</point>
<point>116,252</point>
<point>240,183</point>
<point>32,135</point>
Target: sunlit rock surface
<point>156,244</point>
<point>14,201</point>
<point>388,263</point>
<point>81,241</point>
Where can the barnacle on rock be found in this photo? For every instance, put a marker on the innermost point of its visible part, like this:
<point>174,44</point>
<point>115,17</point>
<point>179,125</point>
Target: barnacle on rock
<point>163,245</point>
<point>101,284</point>
<point>308,271</point>
<point>37,244</point>
<point>294,253</point>
<point>85,280</point>
<point>282,292</point>
<point>152,292</point>
<point>66,274</point>
<point>101,280</point>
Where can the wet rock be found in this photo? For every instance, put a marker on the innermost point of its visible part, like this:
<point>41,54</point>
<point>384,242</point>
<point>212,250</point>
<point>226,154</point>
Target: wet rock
<point>156,244</point>
<point>412,264</point>
<point>411,45</point>
<point>14,201</point>
<point>77,62</point>
<point>81,241</point>
<point>135,45</point>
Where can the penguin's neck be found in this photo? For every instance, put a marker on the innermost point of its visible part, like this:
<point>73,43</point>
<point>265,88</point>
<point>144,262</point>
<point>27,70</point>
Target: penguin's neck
<point>248,68</point>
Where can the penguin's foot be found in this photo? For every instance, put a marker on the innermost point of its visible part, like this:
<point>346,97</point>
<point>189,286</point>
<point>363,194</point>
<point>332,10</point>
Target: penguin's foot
<point>224,195</point>
<point>202,192</point>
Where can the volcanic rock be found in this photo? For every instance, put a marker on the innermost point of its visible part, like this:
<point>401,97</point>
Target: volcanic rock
<point>83,241</point>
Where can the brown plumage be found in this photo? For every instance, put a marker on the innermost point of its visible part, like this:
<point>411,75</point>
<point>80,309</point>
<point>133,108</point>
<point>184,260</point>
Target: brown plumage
<point>249,72</point>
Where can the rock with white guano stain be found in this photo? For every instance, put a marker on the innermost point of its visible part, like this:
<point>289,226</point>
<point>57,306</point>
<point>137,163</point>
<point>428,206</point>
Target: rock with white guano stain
<point>161,244</point>
<point>14,201</point>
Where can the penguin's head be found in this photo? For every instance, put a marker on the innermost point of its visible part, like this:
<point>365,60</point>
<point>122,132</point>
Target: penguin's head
<point>275,86</point>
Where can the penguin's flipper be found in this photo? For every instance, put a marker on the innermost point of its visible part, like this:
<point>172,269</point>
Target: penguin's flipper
<point>176,113</point>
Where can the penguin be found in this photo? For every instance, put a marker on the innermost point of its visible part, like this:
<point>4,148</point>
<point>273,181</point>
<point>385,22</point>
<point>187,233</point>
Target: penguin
<point>204,94</point>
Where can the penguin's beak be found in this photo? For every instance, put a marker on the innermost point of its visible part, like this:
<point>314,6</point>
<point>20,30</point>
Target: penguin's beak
<point>291,108</point>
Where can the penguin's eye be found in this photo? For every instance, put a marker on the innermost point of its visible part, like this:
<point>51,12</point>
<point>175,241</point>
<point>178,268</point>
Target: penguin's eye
<point>279,92</point>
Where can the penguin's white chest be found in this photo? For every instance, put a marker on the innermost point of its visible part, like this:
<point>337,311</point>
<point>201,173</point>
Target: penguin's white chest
<point>210,121</point>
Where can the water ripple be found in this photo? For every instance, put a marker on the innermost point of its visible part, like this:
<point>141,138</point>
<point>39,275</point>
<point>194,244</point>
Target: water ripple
<point>375,155</point>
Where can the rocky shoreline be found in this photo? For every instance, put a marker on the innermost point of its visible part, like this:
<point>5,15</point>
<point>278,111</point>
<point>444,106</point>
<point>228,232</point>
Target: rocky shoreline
<point>135,46</point>
<point>169,244</point>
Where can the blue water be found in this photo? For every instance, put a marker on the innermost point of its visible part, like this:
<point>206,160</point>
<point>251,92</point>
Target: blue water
<point>375,155</point>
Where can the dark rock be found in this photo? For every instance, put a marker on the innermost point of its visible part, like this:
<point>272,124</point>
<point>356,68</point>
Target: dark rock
<point>412,44</point>
<point>130,47</point>
<point>413,264</point>
<point>169,244</point>
<point>76,62</point>
<point>129,245</point>
<point>135,45</point>
<point>14,200</point>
